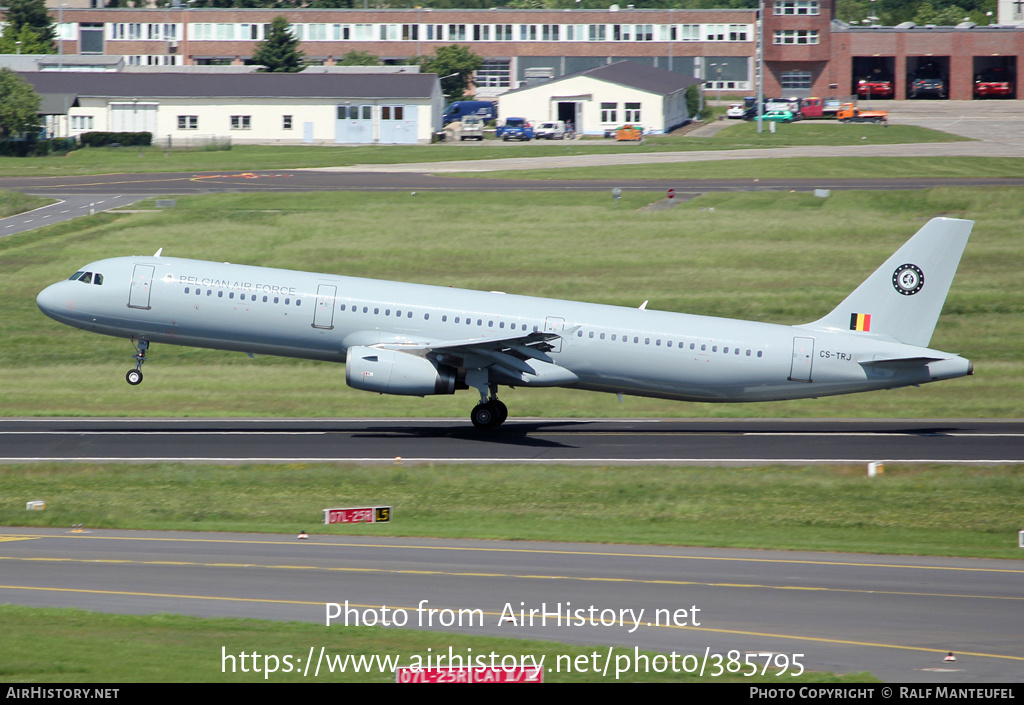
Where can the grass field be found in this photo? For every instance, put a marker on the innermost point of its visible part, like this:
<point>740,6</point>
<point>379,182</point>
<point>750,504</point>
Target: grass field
<point>918,510</point>
<point>106,160</point>
<point>72,646</point>
<point>964,168</point>
<point>777,257</point>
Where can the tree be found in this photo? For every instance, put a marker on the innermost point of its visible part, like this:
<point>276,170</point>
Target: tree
<point>454,65</point>
<point>279,52</point>
<point>25,40</point>
<point>28,22</point>
<point>359,58</point>
<point>19,104</point>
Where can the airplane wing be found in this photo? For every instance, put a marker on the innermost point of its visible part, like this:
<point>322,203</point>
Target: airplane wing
<point>514,358</point>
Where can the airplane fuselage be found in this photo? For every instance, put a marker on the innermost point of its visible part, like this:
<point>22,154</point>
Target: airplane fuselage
<point>593,347</point>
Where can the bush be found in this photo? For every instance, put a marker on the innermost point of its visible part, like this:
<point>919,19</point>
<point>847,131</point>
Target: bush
<point>32,147</point>
<point>124,139</point>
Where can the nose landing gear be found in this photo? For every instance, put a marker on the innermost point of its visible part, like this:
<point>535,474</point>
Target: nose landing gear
<point>134,377</point>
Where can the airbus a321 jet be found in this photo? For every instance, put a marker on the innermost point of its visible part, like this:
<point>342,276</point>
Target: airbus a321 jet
<point>413,339</point>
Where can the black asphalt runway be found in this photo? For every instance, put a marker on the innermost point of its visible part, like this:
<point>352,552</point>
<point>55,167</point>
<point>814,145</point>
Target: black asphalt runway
<point>894,616</point>
<point>631,441</point>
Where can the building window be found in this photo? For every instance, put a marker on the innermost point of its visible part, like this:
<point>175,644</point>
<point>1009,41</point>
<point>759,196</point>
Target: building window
<point>81,122</point>
<point>796,7</point>
<point>631,112</point>
<point>286,122</point>
<point>796,36</point>
<point>188,122</point>
<point>609,112</point>
<point>241,122</point>
<point>494,73</point>
<point>738,32</point>
<point>796,79</point>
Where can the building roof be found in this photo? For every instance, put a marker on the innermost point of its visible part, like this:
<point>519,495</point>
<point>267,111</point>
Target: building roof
<point>250,85</point>
<point>633,75</point>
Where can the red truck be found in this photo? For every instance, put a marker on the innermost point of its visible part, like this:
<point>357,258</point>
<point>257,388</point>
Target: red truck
<point>819,107</point>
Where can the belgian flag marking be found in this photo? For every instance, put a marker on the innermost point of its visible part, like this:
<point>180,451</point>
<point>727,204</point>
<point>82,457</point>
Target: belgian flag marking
<point>860,321</point>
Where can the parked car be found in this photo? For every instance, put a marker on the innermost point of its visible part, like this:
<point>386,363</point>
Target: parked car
<point>928,81</point>
<point>472,128</point>
<point>735,111</point>
<point>777,116</point>
<point>995,83</point>
<point>516,128</point>
<point>876,85</point>
<point>550,130</point>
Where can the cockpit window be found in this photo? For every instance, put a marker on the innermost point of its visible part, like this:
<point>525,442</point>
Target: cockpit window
<point>87,277</point>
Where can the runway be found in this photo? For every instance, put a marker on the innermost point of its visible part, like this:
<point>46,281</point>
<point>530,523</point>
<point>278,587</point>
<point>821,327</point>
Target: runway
<point>595,441</point>
<point>896,617</point>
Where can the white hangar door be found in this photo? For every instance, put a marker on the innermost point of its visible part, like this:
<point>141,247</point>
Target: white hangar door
<point>133,117</point>
<point>398,124</point>
<point>354,124</point>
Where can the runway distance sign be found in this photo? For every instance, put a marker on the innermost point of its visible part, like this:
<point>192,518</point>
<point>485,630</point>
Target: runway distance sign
<point>457,674</point>
<point>357,515</point>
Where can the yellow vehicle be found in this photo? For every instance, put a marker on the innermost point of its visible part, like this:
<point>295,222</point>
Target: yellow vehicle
<point>849,112</point>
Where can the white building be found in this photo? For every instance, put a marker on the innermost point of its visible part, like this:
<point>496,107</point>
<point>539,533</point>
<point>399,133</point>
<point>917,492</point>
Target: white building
<point>605,98</point>
<point>249,108</point>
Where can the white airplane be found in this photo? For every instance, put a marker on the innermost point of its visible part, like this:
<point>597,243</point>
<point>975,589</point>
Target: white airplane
<point>414,339</point>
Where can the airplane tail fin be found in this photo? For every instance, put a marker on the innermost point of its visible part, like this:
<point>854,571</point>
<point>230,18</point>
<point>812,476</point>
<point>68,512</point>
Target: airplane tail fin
<point>903,298</point>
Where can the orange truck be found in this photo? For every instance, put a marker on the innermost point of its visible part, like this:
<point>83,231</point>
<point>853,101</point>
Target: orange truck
<point>849,112</point>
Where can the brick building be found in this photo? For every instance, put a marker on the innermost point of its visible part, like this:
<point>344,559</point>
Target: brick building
<point>806,52</point>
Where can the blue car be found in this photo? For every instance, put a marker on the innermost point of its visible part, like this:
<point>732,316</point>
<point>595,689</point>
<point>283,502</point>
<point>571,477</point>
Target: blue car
<point>516,129</point>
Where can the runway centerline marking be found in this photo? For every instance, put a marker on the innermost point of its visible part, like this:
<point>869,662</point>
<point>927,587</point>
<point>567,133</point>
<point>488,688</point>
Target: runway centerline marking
<point>822,640</point>
<point>516,576</point>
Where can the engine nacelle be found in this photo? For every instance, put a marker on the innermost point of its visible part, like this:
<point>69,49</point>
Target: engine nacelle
<point>395,372</point>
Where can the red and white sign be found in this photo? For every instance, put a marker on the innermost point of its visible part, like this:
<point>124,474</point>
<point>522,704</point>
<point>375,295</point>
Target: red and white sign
<point>530,674</point>
<point>357,515</point>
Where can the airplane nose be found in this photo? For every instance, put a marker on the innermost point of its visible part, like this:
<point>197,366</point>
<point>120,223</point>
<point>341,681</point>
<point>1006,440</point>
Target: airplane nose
<point>52,300</point>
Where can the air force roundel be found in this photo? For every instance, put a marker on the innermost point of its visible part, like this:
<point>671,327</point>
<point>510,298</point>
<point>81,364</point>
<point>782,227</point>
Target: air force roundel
<point>908,279</point>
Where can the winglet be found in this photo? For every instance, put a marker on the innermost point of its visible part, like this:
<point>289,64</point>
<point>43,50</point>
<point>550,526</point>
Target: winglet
<point>158,252</point>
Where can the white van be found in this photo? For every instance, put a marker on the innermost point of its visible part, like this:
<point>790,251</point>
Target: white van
<point>550,130</point>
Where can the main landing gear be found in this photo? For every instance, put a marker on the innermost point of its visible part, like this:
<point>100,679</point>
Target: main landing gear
<point>135,376</point>
<point>489,413</point>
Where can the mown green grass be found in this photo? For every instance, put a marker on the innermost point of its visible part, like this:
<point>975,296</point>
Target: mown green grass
<point>965,168</point>
<point>106,160</point>
<point>72,646</point>
<point>12,203</point>
<point>924,510</point>
<point>777,257</point>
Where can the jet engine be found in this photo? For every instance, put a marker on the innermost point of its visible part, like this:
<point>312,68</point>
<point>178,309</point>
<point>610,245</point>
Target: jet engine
<point>395,372</point>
